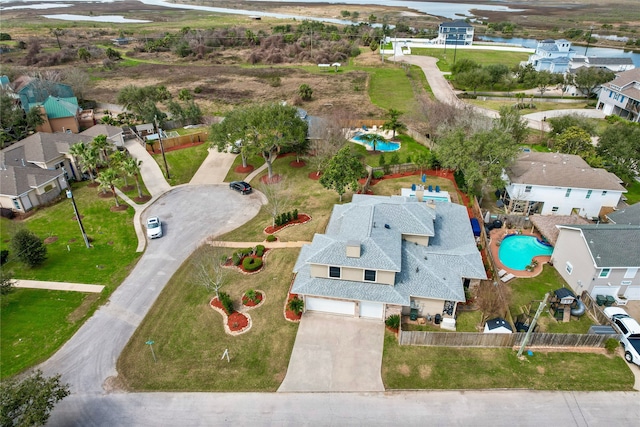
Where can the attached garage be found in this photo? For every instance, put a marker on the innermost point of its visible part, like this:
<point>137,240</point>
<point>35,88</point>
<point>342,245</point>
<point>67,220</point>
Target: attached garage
<point>632,293</point>
<point>605,290</point>
<point>371,310</point>
<point>331,306</point>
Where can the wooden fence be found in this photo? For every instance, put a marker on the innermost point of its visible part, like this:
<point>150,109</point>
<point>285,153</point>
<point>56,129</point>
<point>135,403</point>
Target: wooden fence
<point>474,339</point>
<point>593,309</point>
<point>192,138</point>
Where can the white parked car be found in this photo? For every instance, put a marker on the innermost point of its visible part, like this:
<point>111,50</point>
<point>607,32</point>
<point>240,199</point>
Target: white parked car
<point>154,227</point>
<point>629,330</point>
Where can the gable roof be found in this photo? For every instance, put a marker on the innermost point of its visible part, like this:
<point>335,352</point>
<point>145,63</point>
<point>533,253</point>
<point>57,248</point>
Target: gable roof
<point>15,181</point>
<point>628,215</point>
<point>102,129</point>
<point>458,23</point>
<point>40,147</point>
<point>433,271</point>
<point>611,245</point>
<point>627,83</point>
<point>57,108</point>
<point>561,170</point>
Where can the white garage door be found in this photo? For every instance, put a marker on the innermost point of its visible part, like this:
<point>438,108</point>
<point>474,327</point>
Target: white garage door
<point>372,310</point>
<point>331,306</point>
<point>632,293</point>
<point>605,290</point>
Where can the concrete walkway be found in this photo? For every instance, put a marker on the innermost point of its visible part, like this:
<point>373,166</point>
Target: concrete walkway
<point>214,169</point>
<point>151,174</point>
<point>268,245</point>
<point>59,286</point>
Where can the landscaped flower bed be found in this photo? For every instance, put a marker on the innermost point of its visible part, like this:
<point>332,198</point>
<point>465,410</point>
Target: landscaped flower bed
<point>302,219</point>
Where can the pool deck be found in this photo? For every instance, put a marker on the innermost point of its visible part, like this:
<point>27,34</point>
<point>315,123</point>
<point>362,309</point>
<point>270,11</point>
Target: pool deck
<point>496,235</point>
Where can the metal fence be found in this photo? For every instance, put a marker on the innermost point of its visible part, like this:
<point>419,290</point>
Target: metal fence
<point>474,339</point>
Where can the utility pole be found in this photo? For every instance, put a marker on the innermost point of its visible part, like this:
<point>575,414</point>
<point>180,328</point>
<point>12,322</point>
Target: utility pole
<point>75,210</point>
<point>164,158</point>
<point>588,40</point>
<point>533,324</point>
<point>455,50</point>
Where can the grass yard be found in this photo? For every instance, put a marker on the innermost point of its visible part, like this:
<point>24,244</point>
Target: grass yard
<point>183,163</point>
<point>540,106</point>
<point>468,321</point>
<point>482,57</point>
<point>35,323</point>
<point>633,192</point>
<point>415,367</point>
<point>112,236</point>
<point>389,87</point>
<point>392,186</point>
<point>189,338</point>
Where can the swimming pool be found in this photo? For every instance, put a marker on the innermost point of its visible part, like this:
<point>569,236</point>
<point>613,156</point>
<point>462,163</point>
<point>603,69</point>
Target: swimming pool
<point>381,143</point>
<point>516,251</point>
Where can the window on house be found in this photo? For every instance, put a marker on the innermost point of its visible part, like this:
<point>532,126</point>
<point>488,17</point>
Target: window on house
<point>16,203</point>
<point>334,272</point>
<point>605,272</point>
<point>568,193</point>
<point>631,273</point>
<point>554,209</point>
<point>527,189</point>
<point>604,193</point>
<point>568,267</point>
<point>589,194</point>
<point>370,275</point>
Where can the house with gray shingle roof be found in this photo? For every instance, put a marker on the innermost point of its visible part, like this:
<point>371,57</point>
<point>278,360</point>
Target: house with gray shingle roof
<point>388,255</point>
<point>559,184</point>
<point>602,259</point>
<point>626,215</point>
<point>621,96</point>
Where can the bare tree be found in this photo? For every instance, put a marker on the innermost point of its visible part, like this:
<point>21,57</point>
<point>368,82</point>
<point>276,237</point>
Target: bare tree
<point>209,270</point>
<point>277,195</point>
<point>493,299</point>
<point>333,135</point>
<point>78,80</point>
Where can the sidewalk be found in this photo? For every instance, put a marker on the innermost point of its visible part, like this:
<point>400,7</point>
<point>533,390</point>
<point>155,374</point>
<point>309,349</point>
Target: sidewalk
<point>59,286</point>
<point>268,245</point>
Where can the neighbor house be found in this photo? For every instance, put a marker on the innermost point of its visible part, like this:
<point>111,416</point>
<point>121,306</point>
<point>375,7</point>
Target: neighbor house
<point>388,255</point>
<point>602,259</point>
<point>32,91</point>
<point>621,96</point>
<point>625,215</point>
<point>552,55</point>
<point>456,32</point>
<point>608,63</point>
<point>559,184</point>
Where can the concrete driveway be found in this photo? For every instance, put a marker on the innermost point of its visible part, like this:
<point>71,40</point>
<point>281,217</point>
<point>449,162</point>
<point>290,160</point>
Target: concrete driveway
<point>190,214</point>
<point>335,353</point>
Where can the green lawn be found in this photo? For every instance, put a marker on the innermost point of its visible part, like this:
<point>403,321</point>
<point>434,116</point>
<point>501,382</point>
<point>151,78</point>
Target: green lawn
<point>633,192</point>
<point>468,321</point>
<point>530,289</point>
<point>389,87</point>
<point>415,367</point>
<point>35,323</point>
<point>540,106</point>
<point>189,338</point>
<point>183,163</point>
<point>482,57</point>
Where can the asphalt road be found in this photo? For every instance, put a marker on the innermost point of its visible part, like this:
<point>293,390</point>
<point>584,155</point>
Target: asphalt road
<point>189,215</point>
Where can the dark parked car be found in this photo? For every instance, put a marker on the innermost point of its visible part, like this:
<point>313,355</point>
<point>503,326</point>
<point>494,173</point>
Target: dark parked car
<point>241,187</point>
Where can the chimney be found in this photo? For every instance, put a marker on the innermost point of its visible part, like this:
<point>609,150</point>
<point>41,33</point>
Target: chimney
<point>353,249</point>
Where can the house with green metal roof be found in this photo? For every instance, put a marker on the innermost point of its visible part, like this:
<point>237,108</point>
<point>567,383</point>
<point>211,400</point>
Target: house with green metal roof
<point>602,259</point>
<point>389,255</point>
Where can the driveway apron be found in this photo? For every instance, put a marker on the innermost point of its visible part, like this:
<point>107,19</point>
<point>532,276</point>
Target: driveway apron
<point>335,353</point>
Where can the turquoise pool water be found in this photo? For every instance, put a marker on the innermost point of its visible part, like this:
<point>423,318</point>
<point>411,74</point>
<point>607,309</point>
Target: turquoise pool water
<point>381,143</point>
<point>516,252</point>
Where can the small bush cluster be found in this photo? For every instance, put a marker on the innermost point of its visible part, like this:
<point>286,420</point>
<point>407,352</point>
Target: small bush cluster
<point>296,305</point>
<point>4,256</point>
<point>251,264</point>
<point>271,238</point>
<point>393,321</point>
<point>252,296</point>
<point>611,344</point>
<point>377,174</point>
<point>226,302</point>
<point>285,217</point>
<point>259,250</point>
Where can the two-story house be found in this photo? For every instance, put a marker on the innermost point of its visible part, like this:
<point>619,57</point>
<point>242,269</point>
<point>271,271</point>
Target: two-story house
<point>386,255</point>
<point>621,96</point>
<point>559,184</point>
<point>602,259</point>
<point>456,32</point>
<point>552,55</point>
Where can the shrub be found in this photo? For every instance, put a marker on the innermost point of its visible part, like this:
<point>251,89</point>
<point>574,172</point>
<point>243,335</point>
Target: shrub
<point>381,160</point>
<point>377,174</point>
<point>246,252</point>
<point>288,216</point>
<point>251,264</point>
<point>271,238</point>
<point>295,214</point>
<point>251,295</point>
<point>29,248</point>
<point>4,256</point>
<point>226,302</point>
<point>296,305</point>
<point>611,344</point>
<point>305,92</point>
<point>393,321</point>
<point>259,250</point>
<point>236,258</point>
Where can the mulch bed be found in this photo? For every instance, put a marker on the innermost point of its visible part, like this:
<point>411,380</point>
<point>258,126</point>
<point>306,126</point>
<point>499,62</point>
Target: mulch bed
<point>127,188</point>
<point>143,199</point>
<point>250,303</point>
<point>243,169</point>
<point>229,263</point>
<point>50,239</point>
<point>105,195</point>
<point>75,218</point>
<point>236,321</point>
<point>273,180</point>
<point>302,219</point>
<point>315,175</point>
<point>121,208</point>
<point>93,185</point>
<point>290,315</point>
<point>299,164</point>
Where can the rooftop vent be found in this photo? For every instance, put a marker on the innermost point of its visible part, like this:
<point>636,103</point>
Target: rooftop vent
<point>353,249</point>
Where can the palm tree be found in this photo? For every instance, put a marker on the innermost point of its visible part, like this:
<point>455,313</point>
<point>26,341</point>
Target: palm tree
<point>131,166</point>
<point>78,150</point>
<point>117,162</point>
<point>107,179</point>
<point>392,122</point>
<point>88,157</point>
<point>102,144</point>
<point>370,138</point>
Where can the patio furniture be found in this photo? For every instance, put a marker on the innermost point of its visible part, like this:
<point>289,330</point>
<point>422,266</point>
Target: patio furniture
<point>507,277</point>
<point>502,273</point>
<point>437,188</point>
<point>431,189</point>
